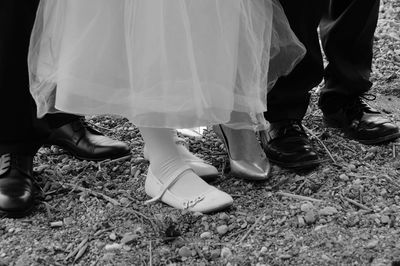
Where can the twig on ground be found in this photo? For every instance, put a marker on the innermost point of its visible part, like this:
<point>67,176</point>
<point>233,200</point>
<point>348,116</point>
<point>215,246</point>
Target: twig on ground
<point>108,161</point>
<point>143,216</point>
<point>150,255</point>
<point>320,142</point>
<point>99,232</point>
<point>78,248</point>
<point>48,210</point>
<point>196,247</point>
<point>358,204</point>
<point>94,125</point>
<point>299,197</point>
<point>91,192</point>
<point>304,182</point>
<point>251,229</point>
<point>346,147</point>
<point>81,252</point>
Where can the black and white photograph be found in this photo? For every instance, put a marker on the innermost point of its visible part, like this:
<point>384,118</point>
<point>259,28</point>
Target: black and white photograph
<point>199,132</point>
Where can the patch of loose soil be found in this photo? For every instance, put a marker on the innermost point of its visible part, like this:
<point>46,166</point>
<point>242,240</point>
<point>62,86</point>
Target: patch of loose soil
<point>346,212</point>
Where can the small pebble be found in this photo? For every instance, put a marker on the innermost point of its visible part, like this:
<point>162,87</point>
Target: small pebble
<point>264,250</point>
<point>224,217</point>
<point>352,167</point>
<point>185,252</point>
<point>112,236</point>
<point>301,221</point>
<point>68,221</point>
<point>305,207</point>
<point>326,171</point>
<point>373,243</point>
<point>328,211</point>
<point>215,254</point>
<point>114,246</point>
<point>127,248</point>
<point>205,235</point>
<point>369,156</point>
<point>222,229</point>
<point>310,217</point>
<point>344,177</point>
<point>243,225</point>
<point>226,253</point>
<point>164,251</point>
<point>385,219</point>
<point>128,238</point>
<point>124,201</point>
<point>56,224</point>
<point>285,256</point>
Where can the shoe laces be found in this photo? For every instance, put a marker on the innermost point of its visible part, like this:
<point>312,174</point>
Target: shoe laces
<point>10,161</point>
<point>293,127</point>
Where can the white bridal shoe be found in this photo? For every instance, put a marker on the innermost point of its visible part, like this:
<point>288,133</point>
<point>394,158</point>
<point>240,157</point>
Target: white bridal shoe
<point>210,200</point>
<point>201,168</point>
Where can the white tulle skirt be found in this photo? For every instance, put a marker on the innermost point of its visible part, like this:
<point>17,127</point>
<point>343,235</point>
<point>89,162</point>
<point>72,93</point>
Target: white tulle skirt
<point>161,63</point>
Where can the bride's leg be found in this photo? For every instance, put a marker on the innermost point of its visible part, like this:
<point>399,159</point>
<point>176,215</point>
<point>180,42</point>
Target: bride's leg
<point>202,168</point>
<point>166,160</point>
<point>171,180</point>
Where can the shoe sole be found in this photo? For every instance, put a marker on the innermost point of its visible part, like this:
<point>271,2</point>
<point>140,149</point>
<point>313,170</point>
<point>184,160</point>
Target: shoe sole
<point>250,178</point>
<point>380,140</point>
<point>384,139</point>
<point>47,145</point>
<point>17,214</point>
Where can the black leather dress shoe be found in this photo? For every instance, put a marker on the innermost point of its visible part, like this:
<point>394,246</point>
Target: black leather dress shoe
<point>16,186</point>
<point>359,121</point>
<point>286,144</point>
<point>86,143</point>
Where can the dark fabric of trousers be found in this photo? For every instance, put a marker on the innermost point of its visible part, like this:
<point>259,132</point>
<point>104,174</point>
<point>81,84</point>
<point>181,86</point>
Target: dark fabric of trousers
<point>347,35</point>
<point>347,30</point>
<point>20,130</point>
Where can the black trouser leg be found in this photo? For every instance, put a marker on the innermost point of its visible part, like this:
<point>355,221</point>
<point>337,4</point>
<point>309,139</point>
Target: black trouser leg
<point>290,96</point>
<point>347,33</point>
<point>20,130</point>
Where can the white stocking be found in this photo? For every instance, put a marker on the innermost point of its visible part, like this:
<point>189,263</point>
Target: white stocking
<point>165,160</point>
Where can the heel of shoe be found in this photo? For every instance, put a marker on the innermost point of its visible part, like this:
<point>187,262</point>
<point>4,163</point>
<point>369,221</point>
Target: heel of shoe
<point>218,130</point>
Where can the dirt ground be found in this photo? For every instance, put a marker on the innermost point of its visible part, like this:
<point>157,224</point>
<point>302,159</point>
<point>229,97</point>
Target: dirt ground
<point>346,212</point>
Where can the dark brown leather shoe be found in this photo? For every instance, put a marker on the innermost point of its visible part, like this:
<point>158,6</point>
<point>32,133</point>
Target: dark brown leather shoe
<point>16,186</point>
<point>86,143</point>
<point>286,144</point>
<point>359,121</point>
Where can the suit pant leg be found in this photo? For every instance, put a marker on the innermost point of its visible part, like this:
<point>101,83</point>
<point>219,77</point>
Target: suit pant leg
<point>347,35</point>
<point>20,130</point>
<point>289,98</point>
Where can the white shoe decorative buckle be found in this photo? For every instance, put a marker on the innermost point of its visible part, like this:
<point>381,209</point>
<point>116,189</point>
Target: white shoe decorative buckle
<point>192,203</point>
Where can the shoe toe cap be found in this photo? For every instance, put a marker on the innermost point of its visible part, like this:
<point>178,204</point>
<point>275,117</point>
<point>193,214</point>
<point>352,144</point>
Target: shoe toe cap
<point>214,200</point>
